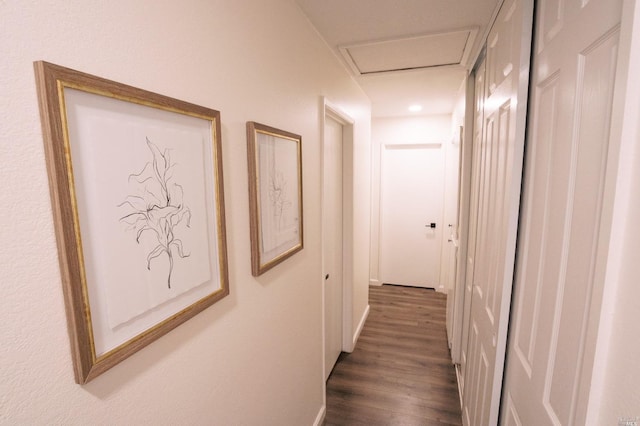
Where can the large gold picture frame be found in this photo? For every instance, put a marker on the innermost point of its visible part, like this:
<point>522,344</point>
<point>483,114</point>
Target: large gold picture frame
<point>137,195</point>
<point>275,195</point>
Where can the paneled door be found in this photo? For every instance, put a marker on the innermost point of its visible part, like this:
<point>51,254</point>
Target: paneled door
<point>558,282</point>
<point>478,113</point>
<point>332,241</point>
<point>412,199</point>
<point>497,185</point>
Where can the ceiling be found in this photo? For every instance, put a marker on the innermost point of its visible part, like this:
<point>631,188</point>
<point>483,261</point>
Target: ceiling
<point>404,52</point>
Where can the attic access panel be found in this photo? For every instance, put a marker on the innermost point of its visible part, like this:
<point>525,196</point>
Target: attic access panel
<point>409,53</point>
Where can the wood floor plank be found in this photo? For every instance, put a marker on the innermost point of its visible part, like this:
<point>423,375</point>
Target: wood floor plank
<point>400,372</point>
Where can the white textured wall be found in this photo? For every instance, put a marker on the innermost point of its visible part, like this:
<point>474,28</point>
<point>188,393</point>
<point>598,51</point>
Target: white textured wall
<point>398,130</point>
<point>620,394</point>
<point>256,356</point>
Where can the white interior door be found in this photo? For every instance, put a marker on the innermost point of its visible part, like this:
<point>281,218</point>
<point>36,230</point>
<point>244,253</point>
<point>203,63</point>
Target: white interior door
<point>558,292</point>
<point>332,241</point>
<point>412,197</point>
<point>500,154</point>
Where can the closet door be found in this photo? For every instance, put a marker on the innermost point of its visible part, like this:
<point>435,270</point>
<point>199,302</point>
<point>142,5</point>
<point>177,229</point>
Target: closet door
<point>473,220</point>
<point>500,152</point>
<point>558,287</point>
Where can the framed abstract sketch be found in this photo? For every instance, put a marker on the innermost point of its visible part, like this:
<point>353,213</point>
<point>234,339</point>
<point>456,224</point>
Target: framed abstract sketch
<point>137,195</point>
<point>275,195</point>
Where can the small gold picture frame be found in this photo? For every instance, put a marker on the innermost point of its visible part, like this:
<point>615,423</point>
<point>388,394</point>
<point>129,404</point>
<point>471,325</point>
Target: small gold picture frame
<point>275,195</point>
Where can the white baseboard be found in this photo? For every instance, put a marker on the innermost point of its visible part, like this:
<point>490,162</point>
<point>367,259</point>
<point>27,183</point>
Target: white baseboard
<point>375,282</point>
<point>458,380</point>
<point>320,416</point>
<point>356,336</point>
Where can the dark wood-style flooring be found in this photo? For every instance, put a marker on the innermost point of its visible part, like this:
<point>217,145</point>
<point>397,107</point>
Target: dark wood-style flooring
<point>400,372</point>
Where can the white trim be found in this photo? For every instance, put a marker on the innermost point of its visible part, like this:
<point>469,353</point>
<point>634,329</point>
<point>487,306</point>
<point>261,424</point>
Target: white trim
<point>472,59</point>
<point>335,112</point>
<point>356,335</point>
<point>412,145</point>
<point>458,377</point>
<point>321,414</point>
<point>378,245</point>
<point>375,282</point>
<point>466,51</point>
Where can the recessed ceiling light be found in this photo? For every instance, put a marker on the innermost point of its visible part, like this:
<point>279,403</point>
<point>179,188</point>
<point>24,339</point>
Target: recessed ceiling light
<point>415,108</point>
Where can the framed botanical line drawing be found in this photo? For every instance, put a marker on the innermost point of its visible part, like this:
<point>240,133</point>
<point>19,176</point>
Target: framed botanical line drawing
<point>275,195</point>
<point>137,196</point>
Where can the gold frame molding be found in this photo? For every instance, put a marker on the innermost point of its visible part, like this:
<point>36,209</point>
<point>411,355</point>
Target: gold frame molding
<point>52,82</point>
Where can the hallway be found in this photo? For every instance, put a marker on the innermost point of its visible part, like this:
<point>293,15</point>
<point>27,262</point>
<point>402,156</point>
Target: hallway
<point>400,372</point>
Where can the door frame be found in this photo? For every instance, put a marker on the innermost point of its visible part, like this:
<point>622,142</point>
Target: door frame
<point>330,110</point>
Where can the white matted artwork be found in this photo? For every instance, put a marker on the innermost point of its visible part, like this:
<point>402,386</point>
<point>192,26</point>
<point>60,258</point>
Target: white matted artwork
<point>275,195</point>
<point>136,184</point>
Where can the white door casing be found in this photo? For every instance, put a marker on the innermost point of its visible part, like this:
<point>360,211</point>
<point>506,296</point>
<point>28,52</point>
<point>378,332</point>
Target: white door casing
<point>412,196</point>
<point>559,273</point>
<point>500,154</point>
<point>450,242</point>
